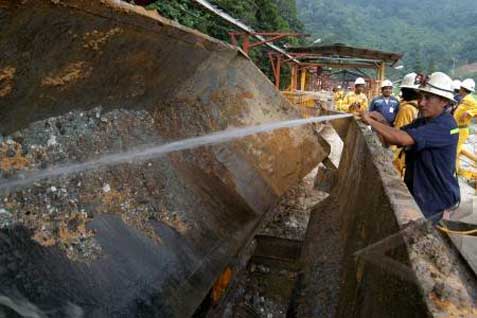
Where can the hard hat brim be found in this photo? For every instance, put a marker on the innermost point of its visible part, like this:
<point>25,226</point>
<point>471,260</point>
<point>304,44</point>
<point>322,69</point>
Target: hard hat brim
<point>437,92</point>
<point>467,88</point>
<point>415,87</point>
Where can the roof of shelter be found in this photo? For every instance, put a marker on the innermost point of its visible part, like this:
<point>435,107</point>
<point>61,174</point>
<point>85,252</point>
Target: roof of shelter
<point>342,52</point>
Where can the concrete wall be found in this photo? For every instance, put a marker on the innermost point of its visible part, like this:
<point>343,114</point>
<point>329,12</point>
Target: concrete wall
<point>369,253</point>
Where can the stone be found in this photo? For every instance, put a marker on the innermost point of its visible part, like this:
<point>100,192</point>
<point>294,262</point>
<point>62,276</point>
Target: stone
<point>106,188</point>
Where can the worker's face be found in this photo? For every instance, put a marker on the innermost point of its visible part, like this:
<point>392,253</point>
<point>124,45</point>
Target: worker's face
<point>463,92</point>
<point>359,88</point>
<point>387,91</point>
<point>431,105</point>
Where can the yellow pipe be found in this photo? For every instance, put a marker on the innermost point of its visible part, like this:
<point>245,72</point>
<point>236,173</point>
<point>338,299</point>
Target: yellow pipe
<point>293,77</point>
<point>303,79</point>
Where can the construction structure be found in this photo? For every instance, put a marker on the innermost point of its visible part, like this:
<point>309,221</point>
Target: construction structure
<point>165,237</point>
<point>340,56</point>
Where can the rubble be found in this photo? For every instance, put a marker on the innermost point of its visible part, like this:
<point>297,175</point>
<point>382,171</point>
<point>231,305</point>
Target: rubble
<point>59,210</point>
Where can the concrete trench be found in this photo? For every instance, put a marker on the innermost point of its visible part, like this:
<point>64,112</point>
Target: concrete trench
<point>150,239</point>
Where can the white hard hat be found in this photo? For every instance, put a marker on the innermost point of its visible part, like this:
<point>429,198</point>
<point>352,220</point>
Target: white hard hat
<point>360,81</point>
<point>409,80</point>
<point>438,84</point>
<point>456,84</point>
<point>386,83</point>
<point>468,84</point>
<point>339,86</point>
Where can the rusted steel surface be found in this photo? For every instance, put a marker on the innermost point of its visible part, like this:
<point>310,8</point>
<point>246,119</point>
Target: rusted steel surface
<point>81,78</point>
<point>368,251</point>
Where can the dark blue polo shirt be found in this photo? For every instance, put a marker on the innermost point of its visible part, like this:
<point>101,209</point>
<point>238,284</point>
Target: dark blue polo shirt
<point>388,109</point>
<point>457,98</point>
<point>430,163</point>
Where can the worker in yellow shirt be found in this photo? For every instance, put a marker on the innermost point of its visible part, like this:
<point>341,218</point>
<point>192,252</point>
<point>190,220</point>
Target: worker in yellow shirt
<point>466,109</point>
<point>356,101</point>
<point>338,97</point>
<point>408,111</point>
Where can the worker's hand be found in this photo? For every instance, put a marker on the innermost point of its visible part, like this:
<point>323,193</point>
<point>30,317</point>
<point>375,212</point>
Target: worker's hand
<point>378,117</point>
<point>354,107</point>
<point>464,117</point>
<point>365,117</point>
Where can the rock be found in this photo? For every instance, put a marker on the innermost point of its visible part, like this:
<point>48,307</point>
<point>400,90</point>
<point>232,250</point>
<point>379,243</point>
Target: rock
<point>51,141</point>
<point>6,218</point>
<point>106,188</point>
<point>11,153</point>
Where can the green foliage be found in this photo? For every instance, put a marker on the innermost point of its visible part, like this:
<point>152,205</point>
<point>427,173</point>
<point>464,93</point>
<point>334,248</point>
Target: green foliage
<point>431,33</point>
<point>261,15</point>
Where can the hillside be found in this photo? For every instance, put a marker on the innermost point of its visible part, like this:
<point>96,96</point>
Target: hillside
<point>433,34</point>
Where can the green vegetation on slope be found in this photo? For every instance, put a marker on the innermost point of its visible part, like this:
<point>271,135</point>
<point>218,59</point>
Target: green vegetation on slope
<point>262,15</point>
<point>433,34</point>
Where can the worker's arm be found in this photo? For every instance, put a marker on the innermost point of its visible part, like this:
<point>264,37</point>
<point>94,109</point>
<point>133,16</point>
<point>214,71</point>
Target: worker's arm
<point>471,109</point>
<point>391,135</point>
<point>465,117</point>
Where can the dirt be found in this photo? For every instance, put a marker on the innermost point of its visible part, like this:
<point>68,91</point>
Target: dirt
<point>7,75</point>
<point>59,210</point>
<point>70,73</point>
<point>290,216</point>
<point>265,290</point>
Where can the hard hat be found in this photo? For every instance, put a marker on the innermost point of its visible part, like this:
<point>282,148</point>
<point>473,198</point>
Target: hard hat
<point>409,80</point>
<point>438,84</point>
<point>456,84</point>
<point>468,84</point>
<point>360,81</point>
<point>386,83</point>
<point>339,86</point>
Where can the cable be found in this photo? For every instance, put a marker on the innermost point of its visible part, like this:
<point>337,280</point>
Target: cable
<point>446,230</point>
<point>218,26</point>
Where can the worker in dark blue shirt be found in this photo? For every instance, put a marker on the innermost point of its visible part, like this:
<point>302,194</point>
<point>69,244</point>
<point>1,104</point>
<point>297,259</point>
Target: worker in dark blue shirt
<point>430,143</point>
<point>385,104</point>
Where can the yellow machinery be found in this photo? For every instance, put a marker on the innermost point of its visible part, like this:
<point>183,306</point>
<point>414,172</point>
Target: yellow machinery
<point>306,102</point>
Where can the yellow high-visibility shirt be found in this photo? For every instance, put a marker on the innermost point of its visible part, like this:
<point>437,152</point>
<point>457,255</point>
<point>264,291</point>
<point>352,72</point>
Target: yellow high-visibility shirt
<point>352,98</point>
<point>467,105</point>
<point>338,95</point>
<point>407,113</point>
<point>338,99</point>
